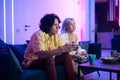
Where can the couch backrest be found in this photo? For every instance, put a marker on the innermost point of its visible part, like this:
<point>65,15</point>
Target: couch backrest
<point>115,44</point>
<point>18,50</point>
<point>84,45</point>
<point>91,48</point>
<point>95,48</point>
<point>9,62</point>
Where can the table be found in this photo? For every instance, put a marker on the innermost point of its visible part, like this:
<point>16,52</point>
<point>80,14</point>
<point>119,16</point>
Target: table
<point>99,65</point>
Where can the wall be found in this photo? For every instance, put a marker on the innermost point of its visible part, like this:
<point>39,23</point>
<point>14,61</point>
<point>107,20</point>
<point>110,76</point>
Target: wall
<point>32,11</point>
<point>1,20</point>
<point>6,20</point>
<point>29,12</point>
<point>98,1</point>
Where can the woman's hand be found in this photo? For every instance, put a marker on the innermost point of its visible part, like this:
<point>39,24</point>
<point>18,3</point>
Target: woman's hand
<point>77,56</point>
<point>83,55</point>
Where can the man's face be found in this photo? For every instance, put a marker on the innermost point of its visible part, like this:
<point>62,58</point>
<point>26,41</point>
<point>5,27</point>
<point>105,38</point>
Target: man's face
<point>55,27</point>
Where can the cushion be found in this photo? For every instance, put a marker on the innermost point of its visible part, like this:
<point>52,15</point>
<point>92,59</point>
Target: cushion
<point>84,45</point>
<point>18,50</point>
<point>2,44</point>
<point>14,60</point>
<point>95,48</point>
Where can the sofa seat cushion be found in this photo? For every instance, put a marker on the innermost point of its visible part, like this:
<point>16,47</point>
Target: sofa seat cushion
<point>33,75</point>
<point>40,74</point>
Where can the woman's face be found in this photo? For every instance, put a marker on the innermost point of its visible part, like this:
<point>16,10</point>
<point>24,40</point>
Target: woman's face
<point>70,27</point>
<point>55,27</point>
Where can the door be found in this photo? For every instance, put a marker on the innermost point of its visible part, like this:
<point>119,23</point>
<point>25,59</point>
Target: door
<point>26,20</point>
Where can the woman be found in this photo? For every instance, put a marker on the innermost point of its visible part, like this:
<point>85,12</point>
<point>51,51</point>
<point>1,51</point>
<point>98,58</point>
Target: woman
<point>45,49</point>
<point>68,36</point>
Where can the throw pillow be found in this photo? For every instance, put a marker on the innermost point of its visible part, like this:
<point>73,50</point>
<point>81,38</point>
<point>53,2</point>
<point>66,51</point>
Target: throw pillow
<point>14,60</point>
<point>2,44</point>
<point>18,50</point>
<point>84,45</point>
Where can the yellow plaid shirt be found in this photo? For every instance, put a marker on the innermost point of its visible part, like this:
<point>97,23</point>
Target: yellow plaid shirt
<point>41,41</point>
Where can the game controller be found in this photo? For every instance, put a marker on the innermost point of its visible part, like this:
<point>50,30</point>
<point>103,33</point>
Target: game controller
<point>85,56</point>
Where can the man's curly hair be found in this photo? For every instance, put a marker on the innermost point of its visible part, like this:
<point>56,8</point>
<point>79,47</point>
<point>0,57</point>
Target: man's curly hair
<point>47,21</point>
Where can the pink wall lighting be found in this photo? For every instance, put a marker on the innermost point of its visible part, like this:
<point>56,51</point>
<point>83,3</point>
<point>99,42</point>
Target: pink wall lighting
<point>32,11</point>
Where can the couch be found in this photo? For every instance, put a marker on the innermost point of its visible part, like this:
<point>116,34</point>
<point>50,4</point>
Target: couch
<point>11,57</point>
<point>115,43</point>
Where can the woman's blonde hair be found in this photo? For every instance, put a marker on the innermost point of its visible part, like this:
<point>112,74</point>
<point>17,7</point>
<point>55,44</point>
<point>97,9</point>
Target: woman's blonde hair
<point>65,22</point>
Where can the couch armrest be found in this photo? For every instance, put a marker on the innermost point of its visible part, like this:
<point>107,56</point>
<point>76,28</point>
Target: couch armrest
<point>7,68</point>
<point>95,48</point>
<point>4,64</point>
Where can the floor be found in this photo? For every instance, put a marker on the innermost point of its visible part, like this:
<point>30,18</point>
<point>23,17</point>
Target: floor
<point>103,75</point>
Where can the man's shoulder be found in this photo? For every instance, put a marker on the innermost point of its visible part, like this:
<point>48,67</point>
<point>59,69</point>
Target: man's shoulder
<point>39,33</point>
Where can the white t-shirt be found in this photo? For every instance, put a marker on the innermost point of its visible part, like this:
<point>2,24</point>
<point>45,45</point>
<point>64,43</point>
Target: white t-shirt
<point>64,37</point>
